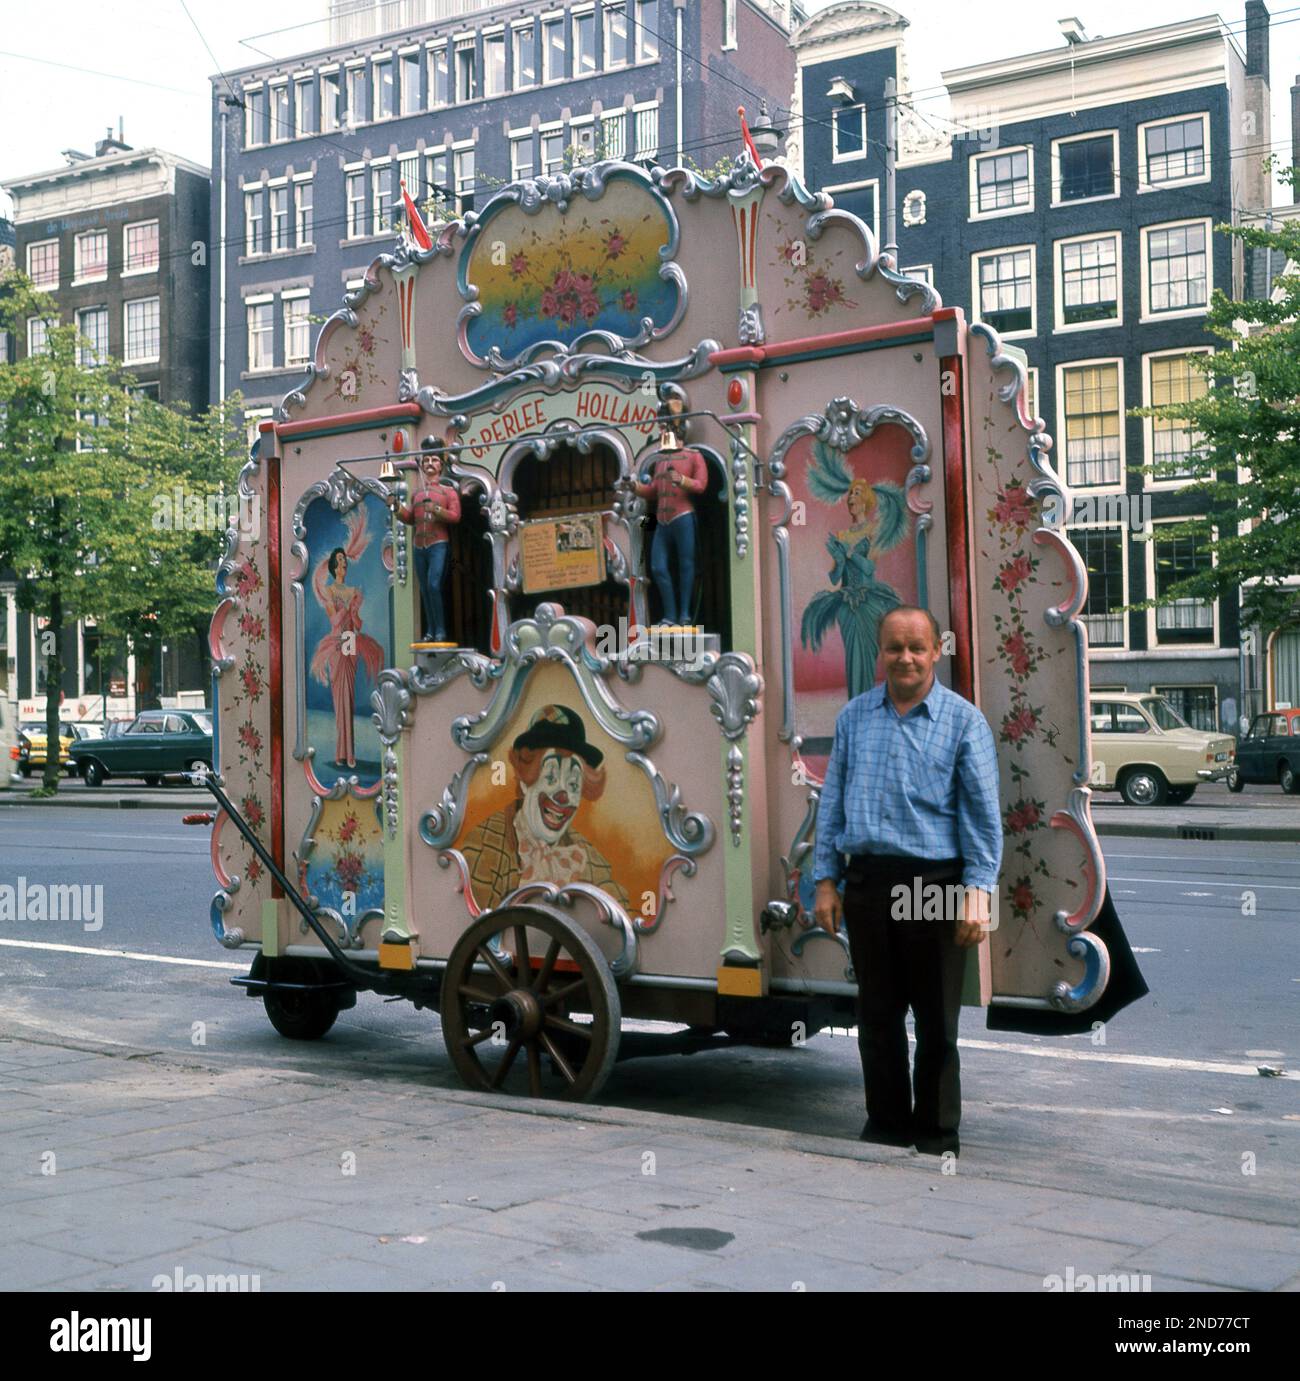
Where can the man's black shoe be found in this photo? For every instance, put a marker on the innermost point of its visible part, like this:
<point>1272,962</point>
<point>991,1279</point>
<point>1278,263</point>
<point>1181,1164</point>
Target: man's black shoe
<point>883,1137</point>
<point>939,1144</point>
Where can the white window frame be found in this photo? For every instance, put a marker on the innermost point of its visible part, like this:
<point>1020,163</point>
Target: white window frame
<point>1115,169</point>
<point>1142,184</point>
<point>431,53</point>
<point>355,116</point>
<point>333,75</point>
<point>607,13</point>
<point>836,114</point>
<point>256,89</point>
<point>128,358</point>
<point>295,295</point>
<point>583,12</point>
<point>32,352</point>
<point>279,185</point>
<point>609,118</point>
<point>729,24</point>
<point>303,79</point>
<point>1033,288</point>
<point>493,35</point>
<point>874,184</point>
<point>84,360</point>
<point>408,162</point>
<point>278,131</point>
<point>441,194</point>
<point>354,170</point>
<point>58,267</point>
<point>1145,267</point>
<point>303,180</point>
<point>458,151</point>
<point>545,132</point>
<point>382,165</point>
<point>402,70</point>
<point>78,276</point>
<point>974,213</point>
<point>126,254</point>
<point>925,272</point>
<point>548,20</point>
<point>465,43</point>
<point>644,51</point>
<point>377,60</point>
<point>253,250</point>
<point>1123,645</point>
<point>1155,648</point>
<point>1120,485</point>
<point>644,107</point>
<point>576,125</point>
<point>259,300</point>
<point>1058,282</point>
<point>522,138</point>
<point>517,83</point>
<point>1031,381</point>
<point>1149,423</point>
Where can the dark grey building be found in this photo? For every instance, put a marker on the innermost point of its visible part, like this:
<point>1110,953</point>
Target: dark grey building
<point>1069,199</point>
<point>310,152</point>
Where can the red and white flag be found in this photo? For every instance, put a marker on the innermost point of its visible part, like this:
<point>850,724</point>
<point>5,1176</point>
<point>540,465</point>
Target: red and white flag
<point>419,231</point>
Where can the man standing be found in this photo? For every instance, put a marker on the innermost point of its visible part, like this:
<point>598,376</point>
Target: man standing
<point>911,797</point>
<point>432,507</point>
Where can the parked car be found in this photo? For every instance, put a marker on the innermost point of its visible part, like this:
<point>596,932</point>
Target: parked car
<point>32,747</point>
<point>158,743</point>
<point>1144,749</point>
<point>1269,755</point>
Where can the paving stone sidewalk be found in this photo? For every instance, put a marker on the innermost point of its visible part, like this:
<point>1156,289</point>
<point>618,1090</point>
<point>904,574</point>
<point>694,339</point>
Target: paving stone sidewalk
<point>125,1166</point>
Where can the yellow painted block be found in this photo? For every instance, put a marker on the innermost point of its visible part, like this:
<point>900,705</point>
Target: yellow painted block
<point>738,982</point>
<point>270,927</point>
<point>393,956</point>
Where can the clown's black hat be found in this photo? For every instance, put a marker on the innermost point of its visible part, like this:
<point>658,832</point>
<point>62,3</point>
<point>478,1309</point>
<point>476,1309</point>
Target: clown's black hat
<point>557,726</point>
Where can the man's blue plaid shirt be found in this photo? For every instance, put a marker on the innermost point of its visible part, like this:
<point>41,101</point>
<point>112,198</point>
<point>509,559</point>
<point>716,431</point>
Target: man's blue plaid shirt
<point>924,784</point>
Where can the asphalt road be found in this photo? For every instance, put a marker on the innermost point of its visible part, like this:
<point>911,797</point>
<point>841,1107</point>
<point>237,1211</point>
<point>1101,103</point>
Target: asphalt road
<point>1164,1112</point>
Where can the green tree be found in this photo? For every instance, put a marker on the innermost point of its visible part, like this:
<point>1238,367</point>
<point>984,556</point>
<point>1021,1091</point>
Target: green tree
<point>1248,417</point>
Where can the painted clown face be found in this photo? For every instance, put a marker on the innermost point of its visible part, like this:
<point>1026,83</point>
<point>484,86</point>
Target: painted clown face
<point>551,802</point>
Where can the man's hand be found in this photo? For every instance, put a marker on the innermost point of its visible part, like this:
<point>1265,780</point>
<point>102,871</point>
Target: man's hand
<point>827,908</point>
<point>975,925</point>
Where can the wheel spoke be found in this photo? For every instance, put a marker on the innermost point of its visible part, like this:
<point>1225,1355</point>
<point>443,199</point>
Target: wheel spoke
<point>548,963</point>
<point>506,1061</point>
<point>476,994</point>
<point>551,998</point>
<point>572,1027</point>
<point>523,967</point>
<point>499,970</point>
<point>562,1064</point>
<point>534,1070</point>
<point>485,1034</point>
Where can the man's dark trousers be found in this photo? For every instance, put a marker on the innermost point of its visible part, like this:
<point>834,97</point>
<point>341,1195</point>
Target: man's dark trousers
<point>900,964</point>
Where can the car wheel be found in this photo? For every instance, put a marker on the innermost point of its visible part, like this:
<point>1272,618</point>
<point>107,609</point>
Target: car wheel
<point>1236,782</point>
<point>1179,794</point>
<point>1288,779</point>
<point>1143,786</point>
<point>92,774</point>
<point>153,780</point>
<point>300,1014</point>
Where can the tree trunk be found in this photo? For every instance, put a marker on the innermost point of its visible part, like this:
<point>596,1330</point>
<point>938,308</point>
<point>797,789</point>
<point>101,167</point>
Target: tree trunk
<point>53,689</point>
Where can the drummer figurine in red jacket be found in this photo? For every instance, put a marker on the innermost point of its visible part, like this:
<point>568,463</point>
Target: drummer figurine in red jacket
<point>676,477</point>
<point>433,507</point>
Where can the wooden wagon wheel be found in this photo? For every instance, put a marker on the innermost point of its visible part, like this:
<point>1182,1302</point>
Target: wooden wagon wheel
<point>496,1008</point>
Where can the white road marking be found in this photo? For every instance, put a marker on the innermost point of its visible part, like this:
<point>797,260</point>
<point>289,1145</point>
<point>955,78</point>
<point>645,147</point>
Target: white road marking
<point>1144,949</point>
<point>124,954</point>
<point>1235,886</point>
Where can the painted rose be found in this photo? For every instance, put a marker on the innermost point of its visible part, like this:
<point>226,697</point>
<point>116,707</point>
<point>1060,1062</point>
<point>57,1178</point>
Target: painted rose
<point>510,314</point>
<point>1020,725</point>
<point>254,869</point>
<point>1024,815</point>
<point>1023,900</point>
<point>615,244</point>
<point>349,869</point>
<point>629,299</point>
<point>348,828</point>
<point>1012,508</point>
<point>823,292</point>
<point>248,580</point>
<point>518,265</point>
<point>249,738</point>
<point>251,626</point>
<point>366,340</point>
<point>1017,651</point>
<point>252,811</point>
<point>251,683</point>
<point>1014,574</point>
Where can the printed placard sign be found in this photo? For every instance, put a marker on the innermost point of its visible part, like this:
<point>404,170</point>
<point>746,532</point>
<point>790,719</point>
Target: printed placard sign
<point>562,553</point>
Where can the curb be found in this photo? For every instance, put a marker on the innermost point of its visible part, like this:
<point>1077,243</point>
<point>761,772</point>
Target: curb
<point>1200,831</point>
<point>181,803</point>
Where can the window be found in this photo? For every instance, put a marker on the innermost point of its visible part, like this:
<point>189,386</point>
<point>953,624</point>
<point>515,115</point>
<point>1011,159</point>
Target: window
<point>613,135</point>
<point>553,49</point>
<point>140,247</point>
<point>582,138</point>
<point>438,167</point>
<point>1004,290</point>
<point>279,219</point>
<point>302,212</point>
<point>355,188</point>
<point>304,106</point>
<point>466,70</point>
<point>849,132</point>
<point>254,219</point>
<point>1087,281</point>
<point>584,43</point>
<point>261,335</point>
<point>143,332</point>
<point>618,51</point>
<point>860,199</point>
<point>1031,393</point>
<point>331,105</point>
<point>521,156</point>
<point>356,95</point>
<point>92,323</point>
<point>1102,551</point>
<point>38,336</point>
<point>381,86</point>
<point>525,55</point>
<point>254,117</point>
<point>297,328</point>
<point>439,77</point>
<point>1173,379</point>
<point>1002,183</point>
<point>89,416</point>
<point>408,171</point>
<point>552,150</point>
<point>925,272</point>
<point>43,264</point>
<point>1176,558</point>
<point>647,30</point>
<point>464,180</point>
<point>1174,151</point>
<point>410,83</point>
<point>280,126</point>
<point>90,256</point>
<point>1085,167</point>
<point>381,199</point>
<point>728,23</point>
<point>1198,705</point>
<point>647,131</point>
<point>1176,274</point>
<point>1094,424</point>
<point>494,63</point>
